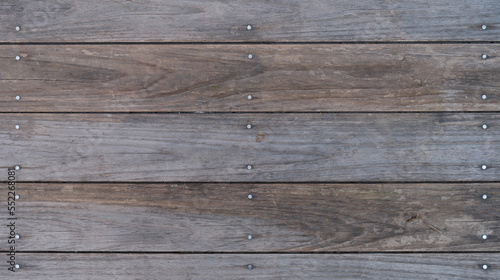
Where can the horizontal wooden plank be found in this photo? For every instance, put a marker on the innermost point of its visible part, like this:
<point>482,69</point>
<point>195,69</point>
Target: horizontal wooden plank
<point>283,266</point>
<point>341,147</point>
<point>274,21</point>
<point>219,78</point>
<point>279,217</point>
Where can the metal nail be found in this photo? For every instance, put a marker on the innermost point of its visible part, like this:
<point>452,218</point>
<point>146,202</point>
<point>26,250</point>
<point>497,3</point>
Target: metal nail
<point>16,197</point>
<point>18,97</point>
<point>484,96</point>
<point>485,196</point>
<point>18,28</point>
<point>249,27</point>
<point>484,166</point>
<point>16,237</point>
<point>17,266</point>
<point>249,126</point>
<point>484,56</point>
<point>249,167</point>
<point>250,237</point>
<point>485,266</point>
<point>485,126</point>
<point>17,126</point>
<point>17,167</point>
<point>18,57</point>
<point>250,56</point>
<point>250,196</point>
<point>485,236</point>
<point>483,26</point>
<point>250,97</point>
<point>251,266</point>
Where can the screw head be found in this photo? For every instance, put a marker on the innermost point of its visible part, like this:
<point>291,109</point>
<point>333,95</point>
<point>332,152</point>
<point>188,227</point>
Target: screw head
<point>249,167</point>
<point>17,167</point>
<point>250,237</point>
<point>17,126</point>
<point>18,28</point>
<point>484,56</point>
<point>250,56</point>
<point>250,97</point>
<point>485,196</point>
<point>483,27</point>
<point>485,236</point>
<point>16,237</point>
<point>485,126</point>
<point>249,126</point>
<point>16,197</point>
<point>250,266</point>
<point>484,96</point>
<point>250,196</point>
<point>17,266</point>
<point>18,57</point>
<point>249,27</point>
<point>18,97</point>
<point>484,167</point>
<point>485,266</point>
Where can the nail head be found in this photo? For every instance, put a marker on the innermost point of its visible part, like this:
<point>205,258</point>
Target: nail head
<point>484,96</point>
<point>18,57</point>
<point>485,266</point>
<point>16,197</point>
<point>250,196</point>
<point>16,237</point>
<point>485,196</point>
<point>249,126</point>
<point>17,266</point>
<point>251,266</point>
<point>250,56</point>
<point>250,97</point>
<point>18,97</point>
<point>485,126</point>
<point>17,167</point>
<point>483,26</point>
<point>17,126</point>
<point>484,166</point>
<point>485,236</point>
<point>250,237</point>
<point>249,27</point>
<point>18,28</point>
<point>484,56</point>
<point>249,167</point>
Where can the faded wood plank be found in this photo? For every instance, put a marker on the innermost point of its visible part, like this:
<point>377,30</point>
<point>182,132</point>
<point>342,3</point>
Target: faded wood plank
<point>279,217</point>
<point>349,147</point>
<point>220,21</point>
<point>218,78</point>
<point>234,266</point>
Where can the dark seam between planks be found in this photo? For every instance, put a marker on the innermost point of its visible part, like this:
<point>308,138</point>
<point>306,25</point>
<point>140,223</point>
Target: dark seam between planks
<point>258,112</point>
<point>254,253</point>
<point>255,183</point>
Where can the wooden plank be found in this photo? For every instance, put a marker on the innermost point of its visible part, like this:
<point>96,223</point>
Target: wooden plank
<point>234,266</point>
<point>342,147</point>
<point>279,217</point>
<point>271,21</point>
<point>219,78</point>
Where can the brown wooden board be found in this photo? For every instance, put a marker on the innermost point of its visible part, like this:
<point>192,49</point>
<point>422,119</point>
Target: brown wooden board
<point>341,147</point>
<point>279,217</point>
<point>271,21</point>
<point>219,78</point>
<point>235,266</point>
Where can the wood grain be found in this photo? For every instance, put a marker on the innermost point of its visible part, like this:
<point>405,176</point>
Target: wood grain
<point>218,78</point>
<point>338,147</point>
<point>234,266</point>
<point>272,21</point>
<point>279,217</point>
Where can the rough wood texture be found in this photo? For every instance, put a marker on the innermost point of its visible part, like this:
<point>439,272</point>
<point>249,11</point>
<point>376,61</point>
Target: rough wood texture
<point>222,21</point>
<point>343,147</point>
<point>218,78</point>
<point>291,217</point>
<point>231,267</point>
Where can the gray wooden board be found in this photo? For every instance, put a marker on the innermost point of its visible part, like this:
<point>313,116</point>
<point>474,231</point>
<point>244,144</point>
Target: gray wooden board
<point>234,266</point>
<point>271,21</point>
<point>341,147</point>
<point>219,78</point>
<point>279,217</point>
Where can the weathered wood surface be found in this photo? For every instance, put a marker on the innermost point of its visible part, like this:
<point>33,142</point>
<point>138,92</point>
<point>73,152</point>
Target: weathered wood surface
<point>219,78</point>
<point>271,21</point>
<point>279,217</point>
<point>234,266</point>
<point>342,147</point>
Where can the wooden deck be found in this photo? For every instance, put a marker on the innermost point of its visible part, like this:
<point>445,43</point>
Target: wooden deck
<point>211,139</point>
